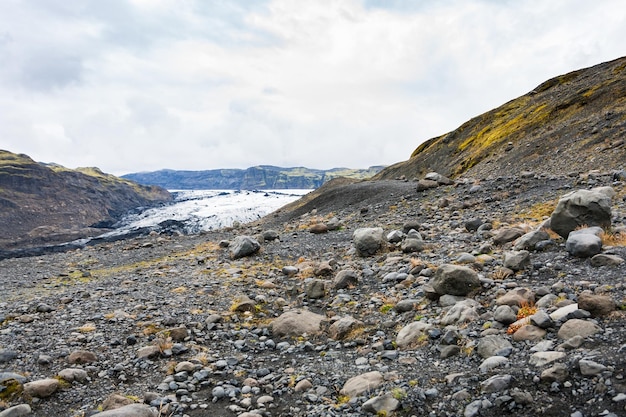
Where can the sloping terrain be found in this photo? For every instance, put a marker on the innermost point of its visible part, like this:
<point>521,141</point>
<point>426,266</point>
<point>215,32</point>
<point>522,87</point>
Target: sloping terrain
<point>571,123</point>
<point>263,177</point>
<point>43,204</point>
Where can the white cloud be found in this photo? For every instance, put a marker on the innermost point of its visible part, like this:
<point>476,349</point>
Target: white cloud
<point>142,85</point>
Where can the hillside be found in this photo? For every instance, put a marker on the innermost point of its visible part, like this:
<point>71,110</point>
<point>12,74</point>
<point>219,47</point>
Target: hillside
<point>253,178</point>
<point>43,204</point>
<point>571,123</point>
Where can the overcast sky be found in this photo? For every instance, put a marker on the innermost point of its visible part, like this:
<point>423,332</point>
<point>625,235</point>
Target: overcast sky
<point>141,85</point>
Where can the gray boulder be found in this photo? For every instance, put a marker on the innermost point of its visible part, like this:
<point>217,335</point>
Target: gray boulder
<point>297,323</point>
<point>243,246</point>
<point>584,243</point>
<point>582,207</point>
<point>455,280</point>
<point>516,260</point>
<point>131,410</point>
<point>529,240</point>
<point>368,240</point>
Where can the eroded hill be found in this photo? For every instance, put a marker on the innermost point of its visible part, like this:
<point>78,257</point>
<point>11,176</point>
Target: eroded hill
<point>41,204</point>
<point>575,122</point>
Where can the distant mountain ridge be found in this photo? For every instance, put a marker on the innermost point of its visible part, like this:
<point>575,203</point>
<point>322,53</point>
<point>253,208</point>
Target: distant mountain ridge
<point>254,178</point>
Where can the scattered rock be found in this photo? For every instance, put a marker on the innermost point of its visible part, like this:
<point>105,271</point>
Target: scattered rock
<point>368,240</point>
<point>345,278</point>
<point>296,323</point>
<point>342,327</point>
<point>584,243</point>
<point>582,208</point>
<point>82,356</point>
<point>597,305</point>
<point>578,327</point>
<point>603,259</point>
<point>455,280</point>
<point>131,410</point>
<point>42,388</point>
<point>16,411</point>
<point>516,260</point>
<point>243,246</point>
<point>412,334</point>
<point>493,345</point>
<point>381,404</point>
<point>361,384</point>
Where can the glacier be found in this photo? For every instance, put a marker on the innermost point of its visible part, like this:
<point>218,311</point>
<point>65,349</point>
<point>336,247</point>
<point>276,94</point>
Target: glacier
<point>195,211</point>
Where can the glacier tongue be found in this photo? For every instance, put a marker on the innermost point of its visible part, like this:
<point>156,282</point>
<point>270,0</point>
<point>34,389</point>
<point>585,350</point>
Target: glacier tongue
<point>202,210</point>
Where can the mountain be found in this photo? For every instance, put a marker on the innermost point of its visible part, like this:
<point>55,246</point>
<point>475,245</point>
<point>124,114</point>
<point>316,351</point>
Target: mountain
<point>254,178</point>
<point>47,203</point>
<point>571,123</point>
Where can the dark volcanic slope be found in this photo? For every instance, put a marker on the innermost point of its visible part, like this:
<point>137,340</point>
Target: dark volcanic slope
<point>574,122</point>
<point>50,204</point>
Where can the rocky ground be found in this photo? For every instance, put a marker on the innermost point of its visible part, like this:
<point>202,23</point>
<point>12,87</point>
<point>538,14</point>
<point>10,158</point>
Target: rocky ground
<point>318,322</point>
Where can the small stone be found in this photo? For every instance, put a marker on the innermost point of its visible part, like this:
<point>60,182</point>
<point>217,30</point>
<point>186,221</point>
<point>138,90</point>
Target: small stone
<point>529,332</point>
<point>411,334</point>
<point>73,374</point>
<point>381,405</point>
<point>303,386</point>
<point>516,260</point>
<point>16,411</point>
<point>540,359</point>
<point>342,327</point>
<point>597,305</point>
<point>345,278</point>
<point>558,372</point>
<point>578,327</point>
<point>218,392</point>
<point>492,362</point>
<point>130,410</point>
<point>7,355</point>
<point>455,280</point>
<point>590,368</point>
<point>178,334</point>
<point>493,345</point>
<point>496,383</point>
<point>318,228</point>
<point>363,383</point>
<point>243,246</point>
<point>42,388</point>
<point>505,315</point>
<point>148,352</point>
<point>603,259</point>
<point>115,401</point>
<point>516,297</point>
<point>507,235</point>
<point>315,289</point>
<point>296,323</point>
<point>82,356</point>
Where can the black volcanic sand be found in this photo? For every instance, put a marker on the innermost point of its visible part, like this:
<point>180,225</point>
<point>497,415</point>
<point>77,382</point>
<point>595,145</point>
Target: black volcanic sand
<point>116,298</point>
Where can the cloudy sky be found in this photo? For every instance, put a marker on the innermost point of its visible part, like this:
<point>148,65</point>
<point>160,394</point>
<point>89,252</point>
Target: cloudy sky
<point>140,85</point>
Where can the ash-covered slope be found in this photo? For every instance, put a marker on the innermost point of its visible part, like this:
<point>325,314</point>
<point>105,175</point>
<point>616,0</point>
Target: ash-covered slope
<point>571,123</point>
<point>41,204</point>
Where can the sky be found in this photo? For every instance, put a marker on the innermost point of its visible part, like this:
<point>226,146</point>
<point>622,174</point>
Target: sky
<point>143,85</point>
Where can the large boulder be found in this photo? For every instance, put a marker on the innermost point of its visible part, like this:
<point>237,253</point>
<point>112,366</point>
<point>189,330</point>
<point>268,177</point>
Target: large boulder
<point>368,240</point>
<point>584,243</point>
<point>582,207</point>
<point>243,246</point>
<point>455,280</point>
